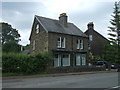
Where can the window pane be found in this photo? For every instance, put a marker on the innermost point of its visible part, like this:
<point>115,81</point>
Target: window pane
<point>83,59</point>
<point>66,60</point>
<point>57,60</point>
<point>63,42</point>
<point>78,59</point>
<point>81,44</point>
<point>37,28</point>
<point>78,46</point>
<point>59,42</point>
<point>90,37</point>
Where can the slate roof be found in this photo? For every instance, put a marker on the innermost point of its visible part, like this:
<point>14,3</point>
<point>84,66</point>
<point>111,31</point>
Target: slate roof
<point>51,25</point>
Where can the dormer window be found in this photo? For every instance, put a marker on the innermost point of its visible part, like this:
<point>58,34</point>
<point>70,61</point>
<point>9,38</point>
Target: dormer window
<point>37,28</point>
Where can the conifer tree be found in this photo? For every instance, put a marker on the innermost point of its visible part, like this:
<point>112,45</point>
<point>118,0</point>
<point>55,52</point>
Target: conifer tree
<point>114,33</point>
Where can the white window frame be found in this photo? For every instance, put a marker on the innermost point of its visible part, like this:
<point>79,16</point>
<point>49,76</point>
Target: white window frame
<point>59,43</point>
<point>37,28</point>
<point>58,61</point>
<point>63,42</point>
<point>68,60</point>
<point>90,37</point>
<point>34,45</point>
<point>83,58</point>
<point>81,44</point>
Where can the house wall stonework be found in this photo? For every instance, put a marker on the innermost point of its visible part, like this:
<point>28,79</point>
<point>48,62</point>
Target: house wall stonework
<point>98,43</point>
<point>70,46</point>
<point>41,39</point>
<point>70,42</point>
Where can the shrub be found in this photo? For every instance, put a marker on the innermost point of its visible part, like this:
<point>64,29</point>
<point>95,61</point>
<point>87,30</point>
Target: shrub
<point>27,64</point>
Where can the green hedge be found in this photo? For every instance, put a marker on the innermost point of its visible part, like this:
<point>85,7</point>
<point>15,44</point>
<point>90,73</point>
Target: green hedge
<point>27,64</point>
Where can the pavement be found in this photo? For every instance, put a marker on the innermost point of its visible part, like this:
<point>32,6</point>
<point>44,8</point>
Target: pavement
<point>54,75</point>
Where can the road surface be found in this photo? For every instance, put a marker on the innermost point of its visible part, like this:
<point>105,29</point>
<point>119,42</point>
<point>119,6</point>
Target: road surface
<point>98,80</point>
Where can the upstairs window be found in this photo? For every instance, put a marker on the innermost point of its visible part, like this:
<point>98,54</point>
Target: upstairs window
<point>61,42</point>
<point>79,44</point>
<point>90,37</point>
<point>37,28</point>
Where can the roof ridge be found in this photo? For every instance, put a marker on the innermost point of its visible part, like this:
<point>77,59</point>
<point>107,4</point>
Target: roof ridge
<point>51,19</point>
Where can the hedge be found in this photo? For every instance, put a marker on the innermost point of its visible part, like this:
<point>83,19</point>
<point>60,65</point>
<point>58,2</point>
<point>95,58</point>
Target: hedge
<point>23,63</point>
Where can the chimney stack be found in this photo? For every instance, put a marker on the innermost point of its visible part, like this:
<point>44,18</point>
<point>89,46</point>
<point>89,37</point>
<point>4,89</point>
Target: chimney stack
<point>63,19</point>
<point>90,25</point>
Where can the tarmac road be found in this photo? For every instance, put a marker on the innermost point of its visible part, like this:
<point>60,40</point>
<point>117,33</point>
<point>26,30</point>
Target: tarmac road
<point>97,80</point>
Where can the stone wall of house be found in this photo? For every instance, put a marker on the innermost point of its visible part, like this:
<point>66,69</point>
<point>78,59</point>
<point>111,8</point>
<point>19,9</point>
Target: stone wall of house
<point>41,39</point>
<point>98,43</point>
<point>70,42</point>
<point>70,45</point>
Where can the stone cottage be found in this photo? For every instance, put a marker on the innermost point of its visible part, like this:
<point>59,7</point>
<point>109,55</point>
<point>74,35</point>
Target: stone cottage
<point>97,42</point>
<point>68,44</point>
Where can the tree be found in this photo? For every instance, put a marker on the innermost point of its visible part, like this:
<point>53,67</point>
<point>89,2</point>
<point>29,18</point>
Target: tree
<point>9,38</point>
<point>11,46</point>
<point>110,53</point>
<point>9,33</point>
<point>114,33</point>
<point>115,28</point>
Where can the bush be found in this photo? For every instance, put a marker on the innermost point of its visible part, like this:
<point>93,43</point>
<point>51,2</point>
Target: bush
<point>27,64</point>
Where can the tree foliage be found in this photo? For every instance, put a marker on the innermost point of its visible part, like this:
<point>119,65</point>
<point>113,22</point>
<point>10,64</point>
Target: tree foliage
<point>9,33</point>
<point>111,52</point>
<point>11,46</point>
<point>9,38</point>
<point>114,30</point>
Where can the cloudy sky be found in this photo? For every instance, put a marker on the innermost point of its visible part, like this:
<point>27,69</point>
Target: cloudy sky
<point>20,14</point>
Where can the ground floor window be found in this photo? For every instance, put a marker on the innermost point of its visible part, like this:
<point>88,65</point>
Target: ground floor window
<point>80,59</point>
<point>66,60</point>
<point>83,59</point>
<point>57,60</point>
<point>61,60</point>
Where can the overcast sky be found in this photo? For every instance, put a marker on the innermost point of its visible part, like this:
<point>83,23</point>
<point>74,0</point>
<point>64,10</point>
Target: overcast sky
<point>80,12</point>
